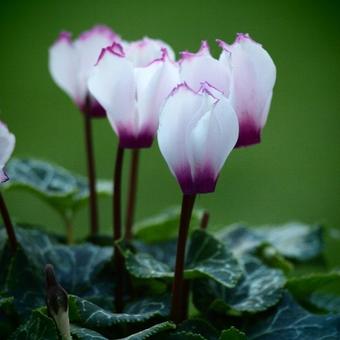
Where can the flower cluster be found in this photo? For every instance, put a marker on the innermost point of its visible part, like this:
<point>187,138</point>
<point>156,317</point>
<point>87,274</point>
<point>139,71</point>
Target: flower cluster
<point>202,107</point>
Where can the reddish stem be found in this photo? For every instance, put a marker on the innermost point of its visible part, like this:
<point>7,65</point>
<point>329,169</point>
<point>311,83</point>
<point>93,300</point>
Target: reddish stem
<point>131,203</point>
<point>117,229</point>
<point>205,220</point>
<point>177,314</point>
<point>8,224</point>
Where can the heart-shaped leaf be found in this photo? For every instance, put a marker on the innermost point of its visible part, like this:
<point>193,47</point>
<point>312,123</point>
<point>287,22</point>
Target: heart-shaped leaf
<point>89,315</point>
<point>319,290</point>
<point>38,326</point>
<point>81,269</point>
<point>259,288</point>
<point>207,257</point>
<point>296,241</point>
<point>55,185</point>
<point>291,322</point>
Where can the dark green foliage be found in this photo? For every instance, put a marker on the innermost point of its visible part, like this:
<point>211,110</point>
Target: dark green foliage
<point>242,280</point>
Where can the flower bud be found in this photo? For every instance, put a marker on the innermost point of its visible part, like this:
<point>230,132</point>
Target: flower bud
<point>57,303</point>
<point>197,132</point>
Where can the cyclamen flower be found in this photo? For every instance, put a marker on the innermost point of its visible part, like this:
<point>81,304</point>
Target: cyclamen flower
<point>143,52</point>
<point>245,73</point>
<point>253,79</point>
<point>7,143</point>
<point>132,96</point>
<point>71,62</point>
<point>196,133</point>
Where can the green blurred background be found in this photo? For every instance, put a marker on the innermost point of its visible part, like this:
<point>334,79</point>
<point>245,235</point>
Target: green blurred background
<point>292,175</point>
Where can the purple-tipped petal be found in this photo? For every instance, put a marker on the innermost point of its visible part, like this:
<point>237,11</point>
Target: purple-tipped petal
<point>202,67</point>
<point>253,78</point>
<point>143,52</point>
<point>100,30</point>
<point>206,131</point>
<point>112,84</point>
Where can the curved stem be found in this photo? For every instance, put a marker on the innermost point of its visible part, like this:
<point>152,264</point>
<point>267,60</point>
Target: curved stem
<point>94,227</point>
<point>131,202</point>
<point>8,224</point>
<point>117,228</point>
<point>177,314</point>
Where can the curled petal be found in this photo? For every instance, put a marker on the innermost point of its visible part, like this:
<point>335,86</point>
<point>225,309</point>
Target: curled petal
<point>112,84</point>
<point>253,79</point>
<point>202,67</point>
<point>143,52</point>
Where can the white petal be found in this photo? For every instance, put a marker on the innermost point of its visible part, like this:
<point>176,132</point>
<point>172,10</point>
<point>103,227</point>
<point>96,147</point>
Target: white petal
<point>88,47</point>
<point>112,83</point>
<point>180,113</point>
<point>63,66</point>
<point>143,52</point>
<point>7,143</point>
<point>214,137</point>
<point>202,67</point>
<point>253,79</point>
<point>154,84</point>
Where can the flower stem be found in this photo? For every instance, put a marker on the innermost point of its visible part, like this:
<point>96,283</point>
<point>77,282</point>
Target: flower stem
<point>177,314</point>
<point>131,202</point>
<point>8,224</point>
<point>94,227</point>
<point>117,228</point>
<point>205,220</point>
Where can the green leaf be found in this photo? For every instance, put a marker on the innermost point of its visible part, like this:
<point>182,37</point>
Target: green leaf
<point>259,289</point>
<point>89,315</point>
<point>183,335</point>
<point>152,331</point>
<point>8,317</point>
<point>319,290</point>
<point>207,257</point>
<point>232,334</point>
<point>85,334</point>
<point>200,327</point>
<point>148,306</point>
<point>38,326</point>
<point>291,322</point>
<point>53,184</point>
<point>164,226</point>
<point>271,257</point>
<point>80,269</point>
<point>296,241</point>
